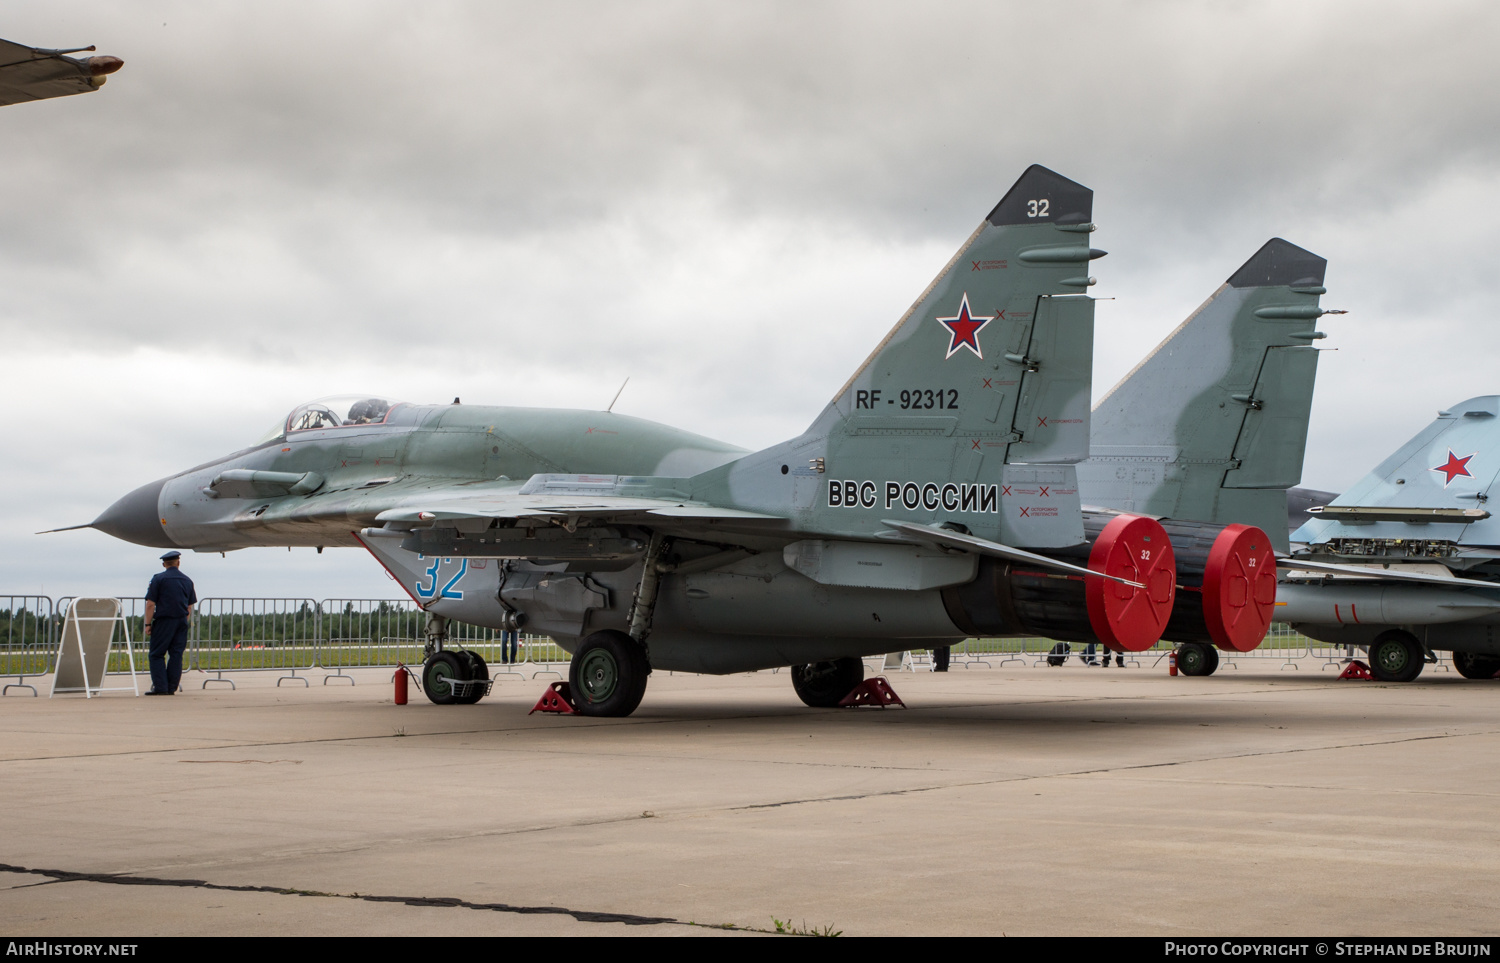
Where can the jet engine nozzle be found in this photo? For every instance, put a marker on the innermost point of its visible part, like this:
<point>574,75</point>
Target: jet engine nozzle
<point>1136,548</point>
<point>1227,576</point>
<point>1016,598</point>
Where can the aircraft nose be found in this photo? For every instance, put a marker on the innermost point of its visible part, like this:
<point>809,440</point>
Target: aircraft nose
<point>134,518</point>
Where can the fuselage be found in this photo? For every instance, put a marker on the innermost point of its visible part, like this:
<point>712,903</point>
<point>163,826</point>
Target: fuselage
<point>415,449</point>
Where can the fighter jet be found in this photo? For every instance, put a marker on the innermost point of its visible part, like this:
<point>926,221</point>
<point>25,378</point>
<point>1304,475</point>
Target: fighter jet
<point>1420,551</point>
<point>35,73</point>
<point>934,497</point>
<point>1212,427</point>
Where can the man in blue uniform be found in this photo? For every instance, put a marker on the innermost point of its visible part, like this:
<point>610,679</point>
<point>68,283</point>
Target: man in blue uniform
<point>169,605</point>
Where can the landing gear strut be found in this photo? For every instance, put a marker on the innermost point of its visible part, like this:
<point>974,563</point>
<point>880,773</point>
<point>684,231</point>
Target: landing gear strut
<point>607,676</point>
<point>451,677</point>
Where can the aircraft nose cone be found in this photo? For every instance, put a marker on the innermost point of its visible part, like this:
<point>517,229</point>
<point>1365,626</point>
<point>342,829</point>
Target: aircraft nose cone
<point>134,518</point>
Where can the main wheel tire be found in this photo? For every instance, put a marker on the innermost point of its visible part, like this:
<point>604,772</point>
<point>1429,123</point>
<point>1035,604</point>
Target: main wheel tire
<point>1396,656</point>
<point>1197,658</point>
<point>438,674</point>
<point>1472,665</point>
<point>823,685</point>
<point>608,675</point>
<point>476,668</point>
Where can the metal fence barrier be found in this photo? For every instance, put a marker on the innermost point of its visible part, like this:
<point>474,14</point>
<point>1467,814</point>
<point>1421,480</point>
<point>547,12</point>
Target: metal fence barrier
<point>248,634</point>
<point>289,636</point>
<point>30,644</point>
<point>295,636</point>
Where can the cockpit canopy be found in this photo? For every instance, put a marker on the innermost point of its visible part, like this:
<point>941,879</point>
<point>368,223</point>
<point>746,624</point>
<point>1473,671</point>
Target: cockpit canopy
<point>335,411</point>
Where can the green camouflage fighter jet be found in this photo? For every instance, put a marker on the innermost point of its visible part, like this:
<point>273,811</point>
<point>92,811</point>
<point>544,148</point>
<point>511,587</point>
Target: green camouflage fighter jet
<point>35,73</point>
<point>1212,426</point>
<point>935,493</point>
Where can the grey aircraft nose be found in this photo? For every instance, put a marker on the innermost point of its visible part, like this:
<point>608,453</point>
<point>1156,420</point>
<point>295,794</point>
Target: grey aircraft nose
<point>134,518</point>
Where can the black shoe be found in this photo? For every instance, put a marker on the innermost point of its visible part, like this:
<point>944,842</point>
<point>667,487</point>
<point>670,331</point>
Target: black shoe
<point>155,692</point>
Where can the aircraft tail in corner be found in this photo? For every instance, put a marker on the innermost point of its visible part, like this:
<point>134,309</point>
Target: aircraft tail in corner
<point>1428,499</point>
<point>973,409</point>
<point>1212,425</point>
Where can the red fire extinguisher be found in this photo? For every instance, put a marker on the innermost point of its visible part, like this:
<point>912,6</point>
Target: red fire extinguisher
<point>1171,670</point>
<point>400,680</point>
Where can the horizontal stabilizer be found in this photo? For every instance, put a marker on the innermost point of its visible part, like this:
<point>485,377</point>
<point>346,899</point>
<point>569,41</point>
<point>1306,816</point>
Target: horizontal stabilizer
<point>952,539</point>
<point>1381,513</point>
<point>1290,563</point>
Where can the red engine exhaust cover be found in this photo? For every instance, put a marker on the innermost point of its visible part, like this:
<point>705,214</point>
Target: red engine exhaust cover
<point>1239,588</point>
<point>1136,548</point>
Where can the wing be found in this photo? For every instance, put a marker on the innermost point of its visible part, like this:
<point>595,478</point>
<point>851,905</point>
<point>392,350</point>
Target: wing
<point>596,497</point>
<point>34,73</point>
<point>568,517</point>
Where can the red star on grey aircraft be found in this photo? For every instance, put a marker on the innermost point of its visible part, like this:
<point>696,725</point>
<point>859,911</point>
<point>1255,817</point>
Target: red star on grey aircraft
<point>1454,467</point>
<point>964,329</point>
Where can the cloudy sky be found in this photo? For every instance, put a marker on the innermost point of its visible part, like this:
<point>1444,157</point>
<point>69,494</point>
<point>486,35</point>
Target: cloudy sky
<point>729,204</point>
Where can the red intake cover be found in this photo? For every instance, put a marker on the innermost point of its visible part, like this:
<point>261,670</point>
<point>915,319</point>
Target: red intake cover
<point>1138,549</point>
<point>1239,588</point>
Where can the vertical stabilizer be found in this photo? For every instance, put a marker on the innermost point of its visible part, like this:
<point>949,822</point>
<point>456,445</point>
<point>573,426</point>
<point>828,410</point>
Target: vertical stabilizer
<point>1430,498</point>
<point>975,407</point>
<point>1212,425</point>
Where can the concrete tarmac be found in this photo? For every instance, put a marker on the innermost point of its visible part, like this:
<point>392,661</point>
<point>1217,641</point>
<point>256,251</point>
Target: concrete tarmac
<point>1015,800</point>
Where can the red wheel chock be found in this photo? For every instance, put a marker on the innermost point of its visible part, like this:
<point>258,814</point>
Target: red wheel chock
<point>872,692</point>
<point>557,698</point>
<point>1356,670</point>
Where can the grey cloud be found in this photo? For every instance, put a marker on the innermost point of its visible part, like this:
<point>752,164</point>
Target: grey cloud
<point>730,203</point>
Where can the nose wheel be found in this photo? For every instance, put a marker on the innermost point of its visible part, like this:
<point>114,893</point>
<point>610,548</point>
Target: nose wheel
<point>455,678</point>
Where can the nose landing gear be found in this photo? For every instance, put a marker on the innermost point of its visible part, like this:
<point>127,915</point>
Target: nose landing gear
<point>452,677</point>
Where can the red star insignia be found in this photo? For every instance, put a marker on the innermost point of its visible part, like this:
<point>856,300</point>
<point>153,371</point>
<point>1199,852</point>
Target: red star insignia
<point>1454,467</point>
<point>963,330</point>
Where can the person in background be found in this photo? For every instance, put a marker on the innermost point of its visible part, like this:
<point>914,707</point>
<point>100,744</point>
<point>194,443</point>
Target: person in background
<point>169,605</point>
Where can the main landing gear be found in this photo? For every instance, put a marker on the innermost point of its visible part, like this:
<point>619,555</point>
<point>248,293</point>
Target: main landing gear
<point>608,674</point>
<point>1396,656</point>
<point>1197,658</point>
<point>823,685</point>
<point>452,676</point>
<point>1471,665</point>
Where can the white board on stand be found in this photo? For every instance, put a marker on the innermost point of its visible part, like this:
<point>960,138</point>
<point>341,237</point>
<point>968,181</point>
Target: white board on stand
<point>90,632</point>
